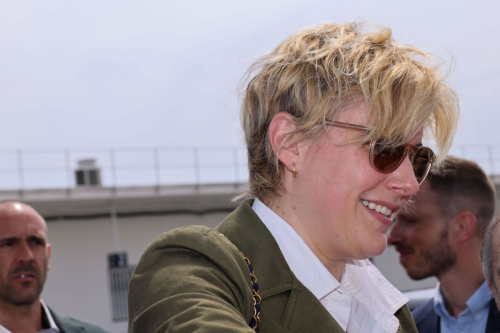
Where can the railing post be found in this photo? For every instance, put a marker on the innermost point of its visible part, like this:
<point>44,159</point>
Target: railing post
<point>67,163</point>
<point>113,168</point>
<point>196,167</point>
<point>20,171</point>
<point>492,160</point>
<point>157,169</point>
<point>114,225</point>
<point>236,167</point>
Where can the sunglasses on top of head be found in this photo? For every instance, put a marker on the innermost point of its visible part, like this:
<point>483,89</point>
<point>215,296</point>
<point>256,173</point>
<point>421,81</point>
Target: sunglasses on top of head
<point>386,159</point>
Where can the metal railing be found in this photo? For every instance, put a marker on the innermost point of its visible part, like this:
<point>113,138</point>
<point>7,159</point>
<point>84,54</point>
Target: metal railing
<point>26,169</point>
<point>486,155</point>
<point>119,167</point>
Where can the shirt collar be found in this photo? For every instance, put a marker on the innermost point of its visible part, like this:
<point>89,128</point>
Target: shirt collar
<point>45,314</point>
<point>361,278</point>
<point>476,303</point>
<point>48,316</point>
<point>480,299</point>
<point>370,287</point>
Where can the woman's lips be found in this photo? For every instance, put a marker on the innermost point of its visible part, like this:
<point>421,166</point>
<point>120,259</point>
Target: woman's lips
<point>385,220</point>
<point>385,208</point>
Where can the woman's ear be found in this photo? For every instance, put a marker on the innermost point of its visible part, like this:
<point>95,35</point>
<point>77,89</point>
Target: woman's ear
<point>280,131</point>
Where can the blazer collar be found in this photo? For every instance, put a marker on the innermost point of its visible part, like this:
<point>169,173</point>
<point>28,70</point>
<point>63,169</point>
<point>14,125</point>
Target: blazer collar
<point>245,230</point>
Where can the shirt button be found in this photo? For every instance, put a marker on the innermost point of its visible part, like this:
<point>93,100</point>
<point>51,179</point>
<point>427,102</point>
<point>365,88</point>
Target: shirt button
<point>478,316</point>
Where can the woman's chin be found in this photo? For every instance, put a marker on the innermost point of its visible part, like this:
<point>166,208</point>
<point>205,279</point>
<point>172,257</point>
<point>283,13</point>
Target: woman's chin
<point>374,248</point>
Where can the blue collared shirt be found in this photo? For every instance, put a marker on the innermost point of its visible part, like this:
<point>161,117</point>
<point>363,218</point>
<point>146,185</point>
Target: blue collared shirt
<point>472,319</point>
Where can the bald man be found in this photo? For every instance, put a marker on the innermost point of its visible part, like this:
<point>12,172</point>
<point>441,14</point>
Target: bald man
<point>24,262</point>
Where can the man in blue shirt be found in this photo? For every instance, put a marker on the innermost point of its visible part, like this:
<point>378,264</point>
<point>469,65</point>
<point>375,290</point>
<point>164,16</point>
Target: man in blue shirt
<point>440,235</point>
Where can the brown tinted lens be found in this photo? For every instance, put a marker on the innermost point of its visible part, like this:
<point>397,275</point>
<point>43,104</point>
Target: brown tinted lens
<point>387,159</point>
<point>422,162</point>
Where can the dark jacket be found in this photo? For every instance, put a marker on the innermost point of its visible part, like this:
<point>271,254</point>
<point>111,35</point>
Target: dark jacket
<point>428,321</point>
<point>72,325</point>
<point>194,280</point>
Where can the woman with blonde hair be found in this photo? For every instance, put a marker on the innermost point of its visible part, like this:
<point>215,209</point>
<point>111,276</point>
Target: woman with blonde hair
<point>333,119</point>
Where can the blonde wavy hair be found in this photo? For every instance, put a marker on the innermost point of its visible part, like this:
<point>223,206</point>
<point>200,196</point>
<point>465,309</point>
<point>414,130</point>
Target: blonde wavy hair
<point>322,70</point>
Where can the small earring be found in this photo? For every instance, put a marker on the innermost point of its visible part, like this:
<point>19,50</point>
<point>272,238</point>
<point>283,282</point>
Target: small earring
<point>293,169</point>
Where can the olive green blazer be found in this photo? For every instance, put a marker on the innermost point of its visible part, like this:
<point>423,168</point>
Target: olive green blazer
<point>193,279</point>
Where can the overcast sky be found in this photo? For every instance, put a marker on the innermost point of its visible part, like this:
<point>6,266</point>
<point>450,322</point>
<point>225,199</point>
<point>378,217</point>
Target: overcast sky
<point>164,73</point>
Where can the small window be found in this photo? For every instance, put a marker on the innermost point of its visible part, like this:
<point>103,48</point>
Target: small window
<point>88,177</point>
<point>93,177</point>
<point>80,178</point>
<point>119,277</point>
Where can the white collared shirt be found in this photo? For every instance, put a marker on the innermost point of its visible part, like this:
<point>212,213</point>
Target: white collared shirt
<point>364,301</point>
<point>53,327</point>
<point>45,312</point>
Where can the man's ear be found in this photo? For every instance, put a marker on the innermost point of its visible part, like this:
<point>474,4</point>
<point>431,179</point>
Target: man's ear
<point>463,226</point>
<point>279,134</point>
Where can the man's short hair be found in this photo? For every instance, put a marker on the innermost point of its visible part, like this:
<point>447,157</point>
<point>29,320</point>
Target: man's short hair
<point>461,185</point>
<point>321,71</point>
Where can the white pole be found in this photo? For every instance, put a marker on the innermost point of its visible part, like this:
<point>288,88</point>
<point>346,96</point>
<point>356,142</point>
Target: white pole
<point>114,223</point>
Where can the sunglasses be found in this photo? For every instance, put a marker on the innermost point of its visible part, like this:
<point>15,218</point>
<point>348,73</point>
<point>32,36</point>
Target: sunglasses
<point>385,159</point>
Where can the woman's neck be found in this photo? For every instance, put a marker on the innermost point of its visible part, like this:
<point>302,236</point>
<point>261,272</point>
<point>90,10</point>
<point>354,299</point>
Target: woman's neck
<point>285,210</point>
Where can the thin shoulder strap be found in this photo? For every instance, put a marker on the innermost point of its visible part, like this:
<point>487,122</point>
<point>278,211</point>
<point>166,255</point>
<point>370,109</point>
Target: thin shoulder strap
<point>257,299</point>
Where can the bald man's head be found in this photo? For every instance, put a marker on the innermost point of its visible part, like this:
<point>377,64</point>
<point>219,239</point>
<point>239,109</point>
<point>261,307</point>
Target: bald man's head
<point>24,253</point>
<point>16,209</point>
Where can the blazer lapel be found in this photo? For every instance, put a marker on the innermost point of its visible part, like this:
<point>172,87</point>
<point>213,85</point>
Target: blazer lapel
<point>493,323</point>
<point>285,300</point>
<point>306,314</point>
<point>65,324</point>
<point>426,318</point>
